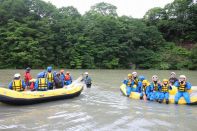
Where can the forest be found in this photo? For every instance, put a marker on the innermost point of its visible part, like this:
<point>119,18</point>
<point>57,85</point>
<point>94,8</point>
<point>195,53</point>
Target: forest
<point>37,34</point>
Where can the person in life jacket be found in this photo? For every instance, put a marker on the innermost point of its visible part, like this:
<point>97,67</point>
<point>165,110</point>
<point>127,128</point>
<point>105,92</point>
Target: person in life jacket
<point>135,82</point>
<point>87,80</point>
<point>145,89</point>
<point>141,78</point>
<point>128,82</point>
<point>164,91</point>
<point>50,77</point>
<point>17,84</point>
<point>32,84</point>
<point>41,83</point>
<point>27,76</point>
<point>155,88</point>
<point>62,75</point>
<point>172,78</point>
<point>54,75</point>
<point>183,86</point>
<point>68,78</point>
<point>58,81</point>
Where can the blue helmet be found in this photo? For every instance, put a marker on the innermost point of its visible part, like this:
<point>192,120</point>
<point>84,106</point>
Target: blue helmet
<point>141,78</point>
<point>49,68</point>
<point>41,74</point>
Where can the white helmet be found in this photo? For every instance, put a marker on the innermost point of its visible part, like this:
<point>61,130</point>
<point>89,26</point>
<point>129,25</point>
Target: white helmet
<point>154,77</point>
<point>172,73</point>
<point>86,73</point>
<point>134,73</point>
<point>182,76</point>
<point>17,75</point>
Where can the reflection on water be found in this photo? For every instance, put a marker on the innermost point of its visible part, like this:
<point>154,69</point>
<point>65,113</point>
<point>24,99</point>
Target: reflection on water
<point>100,108</point>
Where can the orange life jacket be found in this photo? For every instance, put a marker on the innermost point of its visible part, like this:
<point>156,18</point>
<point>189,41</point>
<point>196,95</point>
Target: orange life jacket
<point>67,77</point>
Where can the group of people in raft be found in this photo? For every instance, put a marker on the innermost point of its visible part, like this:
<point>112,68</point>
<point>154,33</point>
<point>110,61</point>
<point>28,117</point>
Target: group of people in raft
<point>156,90</point>
<point>46,80</point>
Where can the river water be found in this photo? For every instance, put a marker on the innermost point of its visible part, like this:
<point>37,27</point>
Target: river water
<point>101,108</point>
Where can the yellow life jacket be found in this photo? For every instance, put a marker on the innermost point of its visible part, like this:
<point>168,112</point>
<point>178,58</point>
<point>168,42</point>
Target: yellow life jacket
<point>136,81</point>
<point>129,82</point>
<point>155,86</point>
<point>17,85</point>
<point>165,88</point>
<point>50,77</point>
<point>42,83</point>
<point>144,88</point>
<point>182,87</point>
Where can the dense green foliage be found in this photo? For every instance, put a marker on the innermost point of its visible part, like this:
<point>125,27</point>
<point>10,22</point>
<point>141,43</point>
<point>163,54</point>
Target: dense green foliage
<point>37,34</point>
<point>176,21</point>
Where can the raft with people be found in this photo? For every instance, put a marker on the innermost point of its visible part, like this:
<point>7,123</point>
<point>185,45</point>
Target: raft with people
<point>172,91</point>
<point>48,86</point>
<point>32,97</point>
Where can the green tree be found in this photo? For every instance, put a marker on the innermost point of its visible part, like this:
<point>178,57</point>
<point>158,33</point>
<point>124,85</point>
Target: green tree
<point>104,9</point>
<point>193,58</point>
<point>37,34</point>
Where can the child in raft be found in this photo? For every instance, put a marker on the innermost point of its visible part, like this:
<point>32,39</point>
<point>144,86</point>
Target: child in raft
<point>145,90</point>
<point>164,91</point>
<point>155,88</point>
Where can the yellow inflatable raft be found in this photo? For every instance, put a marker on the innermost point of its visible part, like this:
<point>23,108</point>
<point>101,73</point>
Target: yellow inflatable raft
<point>136,95</point>
<point>32,97</point>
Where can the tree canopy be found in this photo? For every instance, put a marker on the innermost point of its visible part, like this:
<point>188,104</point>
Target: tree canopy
<point>37,34</point>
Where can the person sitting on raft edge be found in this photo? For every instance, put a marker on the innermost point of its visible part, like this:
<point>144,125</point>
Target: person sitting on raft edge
<point>173,78</point>
<point>164,91</point>
<point>17,84</point>
<point>141,78</point>
<point>50,77</point>
<point>183,86</point>
<point>68,78</point>
<point>41,83</point>
<point>128,82</point>
<point>145,90</point>
<point>136,84</point>
<point>62,75</point>
<point>27,76</point>
<point>58,81</point>
<point>155,88</point>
